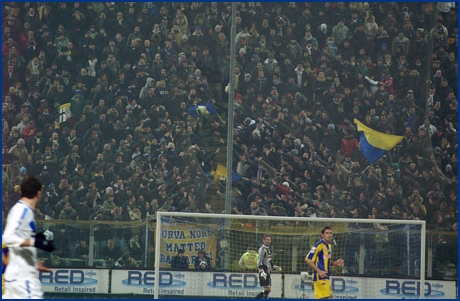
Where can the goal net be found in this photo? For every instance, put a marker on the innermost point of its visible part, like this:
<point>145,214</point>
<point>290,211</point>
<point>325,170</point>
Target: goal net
<point>382,258</point>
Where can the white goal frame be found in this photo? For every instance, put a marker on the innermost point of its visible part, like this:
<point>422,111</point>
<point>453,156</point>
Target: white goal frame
<point>160,215</point>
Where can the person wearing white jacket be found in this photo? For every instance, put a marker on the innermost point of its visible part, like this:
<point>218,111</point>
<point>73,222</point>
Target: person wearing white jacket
<point>386,81</point>
<point>21,275</point>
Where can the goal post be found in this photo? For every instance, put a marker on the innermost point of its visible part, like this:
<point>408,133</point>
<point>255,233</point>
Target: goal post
<point>383,259</point>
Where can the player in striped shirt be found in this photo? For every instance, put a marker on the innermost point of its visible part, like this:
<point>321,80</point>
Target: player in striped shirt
<point>266,266</point>
<point>319,259</point>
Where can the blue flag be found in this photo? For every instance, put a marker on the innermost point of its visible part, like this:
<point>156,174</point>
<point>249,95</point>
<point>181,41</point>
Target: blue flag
<point>202,110</point>
<point>235,176</point>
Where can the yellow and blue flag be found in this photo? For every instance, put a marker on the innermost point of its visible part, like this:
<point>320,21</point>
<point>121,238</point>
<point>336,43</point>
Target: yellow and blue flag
<point>201,110</point>
<point>375,144</point>
<point>221,173</point>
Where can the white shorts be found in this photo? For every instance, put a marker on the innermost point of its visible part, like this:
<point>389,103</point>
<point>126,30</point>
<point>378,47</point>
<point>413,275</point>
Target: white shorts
<point>23,289</point>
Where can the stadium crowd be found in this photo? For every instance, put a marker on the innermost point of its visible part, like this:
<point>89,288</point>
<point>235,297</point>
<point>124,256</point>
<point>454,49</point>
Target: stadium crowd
<point>127,144</point>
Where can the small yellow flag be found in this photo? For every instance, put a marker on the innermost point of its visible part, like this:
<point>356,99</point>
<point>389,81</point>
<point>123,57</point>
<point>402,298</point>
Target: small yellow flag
<point>219,173</point>
<point>64,112</point>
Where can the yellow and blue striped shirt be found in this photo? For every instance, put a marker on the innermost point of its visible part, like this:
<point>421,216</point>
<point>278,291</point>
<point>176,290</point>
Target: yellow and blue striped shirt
<point>320,254</point>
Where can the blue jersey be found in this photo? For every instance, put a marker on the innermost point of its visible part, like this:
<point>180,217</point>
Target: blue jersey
<point>320,254</point>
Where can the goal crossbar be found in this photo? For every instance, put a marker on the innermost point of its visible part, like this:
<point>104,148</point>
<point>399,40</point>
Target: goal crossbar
<point>288,218</point>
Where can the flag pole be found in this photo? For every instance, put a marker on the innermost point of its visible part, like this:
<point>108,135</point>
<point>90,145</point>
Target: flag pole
<point>220,118</point>
<point>228,186</point>
<point>210,103</point>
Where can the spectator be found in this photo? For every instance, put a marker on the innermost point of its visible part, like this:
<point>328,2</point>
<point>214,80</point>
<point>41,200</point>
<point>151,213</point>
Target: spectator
<point>349,143</point>
<point>82,252</point>
<point>135,248</point>
<point>68,213</point>
<point>126,261</point>
<point>339,31</point>
<point>202,262</point>
<point>110,252</point>
<point>148,259</point>
<point>179,262</point>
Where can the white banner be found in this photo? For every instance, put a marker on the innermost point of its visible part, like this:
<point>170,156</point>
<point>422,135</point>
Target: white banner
<point>244,285</point>
<point>410,289</point>
<point>342,287</point>
<point>142,282</point>
<point>75,281</point>
<point>372,288</point>
<point>192,283</point>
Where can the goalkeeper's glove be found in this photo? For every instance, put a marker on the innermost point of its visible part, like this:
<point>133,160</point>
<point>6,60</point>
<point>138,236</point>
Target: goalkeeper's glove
<point>277,268</point>
<point>263,275</point>
<point>43,244</point>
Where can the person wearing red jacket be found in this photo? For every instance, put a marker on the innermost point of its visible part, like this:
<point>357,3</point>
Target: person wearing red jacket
<point>7,46</point>
<point>349,143</point>
<point>283,188</point>
<point>29,131</point>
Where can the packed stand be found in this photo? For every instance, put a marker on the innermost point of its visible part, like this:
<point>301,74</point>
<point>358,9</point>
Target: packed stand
<point>301,82</point>
<point>96,100</point>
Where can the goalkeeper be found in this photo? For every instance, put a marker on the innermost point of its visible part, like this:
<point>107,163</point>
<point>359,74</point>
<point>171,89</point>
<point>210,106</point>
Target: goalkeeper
<point>265,267</point>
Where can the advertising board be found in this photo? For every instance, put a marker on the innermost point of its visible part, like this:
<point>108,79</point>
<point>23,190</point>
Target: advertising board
<point>75,281</point>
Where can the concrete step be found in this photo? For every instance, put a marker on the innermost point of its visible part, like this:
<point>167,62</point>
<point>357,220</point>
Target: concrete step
<point>216,201</point>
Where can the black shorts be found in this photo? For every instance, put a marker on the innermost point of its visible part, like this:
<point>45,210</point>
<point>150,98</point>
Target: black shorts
<point>265,282</point>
